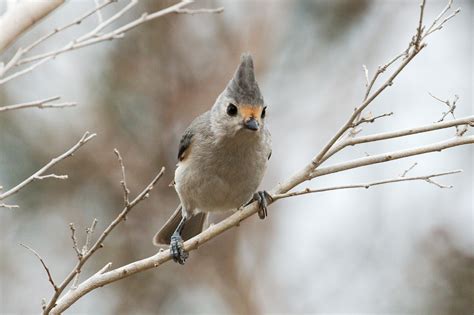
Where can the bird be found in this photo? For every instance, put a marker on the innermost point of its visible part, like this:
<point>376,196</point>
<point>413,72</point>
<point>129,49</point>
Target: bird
<point>222,158</point>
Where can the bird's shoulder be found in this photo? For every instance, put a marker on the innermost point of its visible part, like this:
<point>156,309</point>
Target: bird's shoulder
<point>200,123</point>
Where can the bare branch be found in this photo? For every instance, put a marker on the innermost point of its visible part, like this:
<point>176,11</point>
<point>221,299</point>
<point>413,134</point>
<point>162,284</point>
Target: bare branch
<point>74,241</point>
<point>51,176</point>
<point>100,18</point>
<point>436,27</point>
<point>24,71</point>
<point>39,104</point>
<point>426,178</point>
<point>89,232</point>
<point>385,157</point>
<point>405,172</point>
<point>451,106</point>
<point>123,182</point>
<point>21,17</point>
<point>85,138</point>
<point>77,21</point>
<point>93,37</point>
<point>468,121</point>
<point>317,159</point>
<point>199,11</point>
<point>366,73</point>
<point>50,278</point>
<point>3,205</point>
<point>53,302</point>
<point>420,29</point>
<point>105,276</point>
<point>370,119</point>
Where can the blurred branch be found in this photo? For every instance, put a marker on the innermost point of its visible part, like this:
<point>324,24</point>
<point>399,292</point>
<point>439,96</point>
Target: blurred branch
<point>39,174</point>
<point>93,37</point>
<point>426,178</point>
<point>21,17</point>
<point>4,205</point>
<point>46,103</point>
<point>56,306</point>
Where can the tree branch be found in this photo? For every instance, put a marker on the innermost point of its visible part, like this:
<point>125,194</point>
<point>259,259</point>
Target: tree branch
<point>21,17</point>
<point>50,277</point>
<point>426,178</point>
<point>466,121</point>
<point>93,37</point>
<point>46,103</point>
<point>385,157</point>
<point>39,174</point>
<point>53,304</point>
<point>104,276</point>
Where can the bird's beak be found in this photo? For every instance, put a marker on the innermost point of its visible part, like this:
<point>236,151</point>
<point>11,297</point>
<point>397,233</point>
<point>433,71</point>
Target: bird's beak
<point>251,123</point>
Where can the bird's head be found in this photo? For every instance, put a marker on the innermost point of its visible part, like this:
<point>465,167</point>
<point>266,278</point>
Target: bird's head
<point>240,106</point>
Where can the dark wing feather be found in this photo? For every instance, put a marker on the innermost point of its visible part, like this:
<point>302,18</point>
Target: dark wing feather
<point>184,143</point>
<point>200,123</point>
<point>270,155</point>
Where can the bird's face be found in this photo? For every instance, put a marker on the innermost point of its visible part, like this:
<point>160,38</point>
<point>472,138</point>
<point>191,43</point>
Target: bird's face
<point>246,116</point>
<point>240,107</point>
<point>232,117</point>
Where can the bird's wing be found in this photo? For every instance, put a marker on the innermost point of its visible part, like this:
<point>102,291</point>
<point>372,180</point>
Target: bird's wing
<point>185,143</point>
<point>201,125</point>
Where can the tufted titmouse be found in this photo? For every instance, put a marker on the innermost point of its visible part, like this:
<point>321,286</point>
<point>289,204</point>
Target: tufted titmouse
<point>222,157</point>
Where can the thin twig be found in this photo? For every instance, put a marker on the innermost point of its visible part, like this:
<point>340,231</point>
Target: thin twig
<point>74,241</point>
<point>92,37</point>
<point>99,244</point>
<point>45,103</point>
<point>50,277</point>
<point>100,18</point>
<point>84,139</point>
<point>405,172</point>
<point>420,29</point>
<point>370,119</point>
<point>51,176</point>
<point>76,21</point>
<point>4,205</point>
<point>467,121</point>
<point>451,105</point>
<point>426,178</point>
<point>89,232</point>
<point>385,157</point>
<point>123,182</point>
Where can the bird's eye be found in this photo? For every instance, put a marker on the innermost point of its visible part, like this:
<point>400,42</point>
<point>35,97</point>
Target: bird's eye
<point>264,111</point>
<point>231,110</point>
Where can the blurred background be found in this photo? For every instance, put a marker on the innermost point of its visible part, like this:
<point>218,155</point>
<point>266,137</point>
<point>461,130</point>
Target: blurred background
<point>400,248</point>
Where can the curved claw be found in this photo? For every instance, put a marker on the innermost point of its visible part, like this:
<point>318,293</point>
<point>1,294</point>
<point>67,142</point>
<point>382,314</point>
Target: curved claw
<point>262,197</point>
<point>177,249</point>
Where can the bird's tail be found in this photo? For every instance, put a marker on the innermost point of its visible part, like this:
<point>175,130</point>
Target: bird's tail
<point>194,225</point>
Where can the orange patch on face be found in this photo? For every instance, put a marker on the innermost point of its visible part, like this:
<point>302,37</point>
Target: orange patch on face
<point>248,111</point>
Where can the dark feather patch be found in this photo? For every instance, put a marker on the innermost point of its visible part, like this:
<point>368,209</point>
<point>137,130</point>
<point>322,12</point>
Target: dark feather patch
<point>184,144</point>
<point>270,155</point>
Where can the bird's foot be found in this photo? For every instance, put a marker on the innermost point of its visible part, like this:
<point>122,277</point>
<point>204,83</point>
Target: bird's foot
<point>177,249</point>
<point>262,197</point>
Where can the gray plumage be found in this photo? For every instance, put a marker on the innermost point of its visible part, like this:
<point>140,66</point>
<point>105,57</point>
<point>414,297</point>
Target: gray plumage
<point>243,87</point>
<point>221,159</point>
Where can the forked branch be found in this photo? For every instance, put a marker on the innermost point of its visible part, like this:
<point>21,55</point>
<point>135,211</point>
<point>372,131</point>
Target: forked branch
<point>38,175</point>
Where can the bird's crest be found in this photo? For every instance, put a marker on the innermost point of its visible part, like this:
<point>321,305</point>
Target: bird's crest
<point>243,87</point>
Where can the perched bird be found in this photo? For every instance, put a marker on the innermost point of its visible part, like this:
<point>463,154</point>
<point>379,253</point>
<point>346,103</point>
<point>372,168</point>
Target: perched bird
<point>222,157</point>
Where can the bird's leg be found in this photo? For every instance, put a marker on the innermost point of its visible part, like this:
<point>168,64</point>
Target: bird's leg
<point>262,197</point>
<point>176,244</point>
